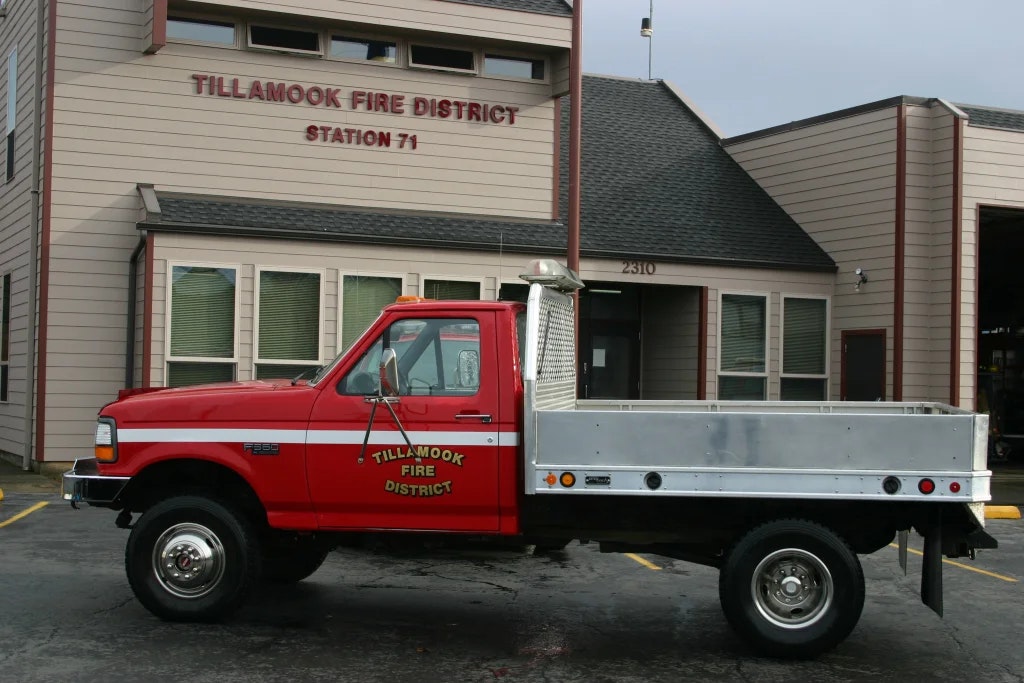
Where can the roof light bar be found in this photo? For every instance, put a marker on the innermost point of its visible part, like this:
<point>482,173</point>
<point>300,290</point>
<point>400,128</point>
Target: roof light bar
<point>551,273</point>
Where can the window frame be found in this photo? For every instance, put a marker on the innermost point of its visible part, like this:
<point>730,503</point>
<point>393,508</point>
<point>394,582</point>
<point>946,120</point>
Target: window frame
<point>321,318</point>
<point>451,278</point>
<point>826,375</point>
<point>191,16</point>
<point>320,33</point>
<point>477,58</point>
<point>342,272</point>
<point>169,316</point>
<point>513,55</point>
<point>400,51</point>
<point>767,343</point>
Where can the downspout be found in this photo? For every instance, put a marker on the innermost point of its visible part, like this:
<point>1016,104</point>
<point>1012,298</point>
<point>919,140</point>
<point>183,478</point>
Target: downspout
<point>575,137</point>
<point>33,239</point>
<point>133,274</point>
<point>899,274</point>
<point>151,205</point>
<point>575,142</point>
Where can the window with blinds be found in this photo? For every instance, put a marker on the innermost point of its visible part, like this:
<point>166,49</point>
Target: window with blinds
<point>743,338</point>
<point>202,325</point>
<point>362,298</point>
<point>804,349</point>
<point>288,325</point>
<point>451,289</point>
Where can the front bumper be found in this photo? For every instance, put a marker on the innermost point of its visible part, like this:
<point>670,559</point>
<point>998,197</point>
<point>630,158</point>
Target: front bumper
<point>83,483</point>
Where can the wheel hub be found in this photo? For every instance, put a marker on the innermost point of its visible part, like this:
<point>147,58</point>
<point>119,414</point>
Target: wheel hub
<point>188,560</point>
<point>792,588</point>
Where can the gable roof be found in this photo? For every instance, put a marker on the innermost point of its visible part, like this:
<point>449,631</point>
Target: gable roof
<point>656,183</point>
<point>992,117</point>
<point>557,7</point>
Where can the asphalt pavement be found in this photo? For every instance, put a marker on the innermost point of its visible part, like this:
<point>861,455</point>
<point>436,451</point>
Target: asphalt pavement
<point>67,614</point>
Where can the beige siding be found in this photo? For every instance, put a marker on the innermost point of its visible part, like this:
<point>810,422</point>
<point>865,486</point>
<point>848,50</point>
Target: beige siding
<point>17,31</point>
<point>122,117</point>
<point>928,249</point>
<point>560,74</point>
<point>670,338</point>
<point>435,16</point>
<point>719,280</point>
<point>837,179</point>
<point>993,175</point>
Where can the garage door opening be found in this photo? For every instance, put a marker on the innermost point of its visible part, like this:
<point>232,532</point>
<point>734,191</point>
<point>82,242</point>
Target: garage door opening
<point>1001,329</point>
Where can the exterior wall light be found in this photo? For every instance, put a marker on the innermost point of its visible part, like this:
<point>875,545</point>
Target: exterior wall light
<point>862,277</point>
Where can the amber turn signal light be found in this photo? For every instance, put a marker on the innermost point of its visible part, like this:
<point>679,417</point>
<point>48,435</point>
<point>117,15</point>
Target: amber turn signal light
<point>105,453</point>
<point>567,479</point>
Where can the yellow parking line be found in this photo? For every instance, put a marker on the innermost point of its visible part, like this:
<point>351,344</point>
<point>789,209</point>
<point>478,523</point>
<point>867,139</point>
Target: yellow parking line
<point>647,563</point>
<point>24,513</point>
<point>969,568</point>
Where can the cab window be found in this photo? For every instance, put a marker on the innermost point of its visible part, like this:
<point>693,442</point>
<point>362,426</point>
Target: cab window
<point>436,357</point>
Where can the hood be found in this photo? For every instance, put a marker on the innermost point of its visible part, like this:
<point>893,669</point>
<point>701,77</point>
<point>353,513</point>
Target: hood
<point>247,402</point>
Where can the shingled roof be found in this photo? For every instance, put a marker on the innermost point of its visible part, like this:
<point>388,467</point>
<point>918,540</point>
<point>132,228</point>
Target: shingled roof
<point>990,117</point>
<point>656,183</point>
<point>227,216</point>
<point>558,7</point>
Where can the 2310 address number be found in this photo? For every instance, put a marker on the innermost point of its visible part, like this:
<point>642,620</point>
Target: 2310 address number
<point>639,267</point>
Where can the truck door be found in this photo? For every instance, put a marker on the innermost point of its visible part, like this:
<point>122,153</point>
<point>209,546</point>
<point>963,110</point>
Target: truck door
<point>447,403</point>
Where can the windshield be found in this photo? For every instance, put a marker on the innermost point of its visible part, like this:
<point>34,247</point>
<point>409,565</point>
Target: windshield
<point>326,370</point>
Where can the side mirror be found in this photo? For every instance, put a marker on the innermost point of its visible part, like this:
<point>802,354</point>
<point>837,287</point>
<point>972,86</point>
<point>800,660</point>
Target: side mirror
<point>389,373</point>
<point>469,368</point>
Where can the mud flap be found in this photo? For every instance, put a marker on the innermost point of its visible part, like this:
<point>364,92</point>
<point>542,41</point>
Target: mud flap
<point>931,570</point>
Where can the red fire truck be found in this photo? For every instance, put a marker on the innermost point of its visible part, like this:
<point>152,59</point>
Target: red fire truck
<point>461,418</point>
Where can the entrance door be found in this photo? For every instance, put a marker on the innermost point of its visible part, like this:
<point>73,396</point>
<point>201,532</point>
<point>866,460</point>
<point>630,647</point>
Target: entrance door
<point>448,405</point>
<point>610,358</point>
<point>610,341</point>
<point>863,373</point>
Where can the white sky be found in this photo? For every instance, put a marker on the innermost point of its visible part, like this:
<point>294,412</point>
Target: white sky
<point>751,64</point>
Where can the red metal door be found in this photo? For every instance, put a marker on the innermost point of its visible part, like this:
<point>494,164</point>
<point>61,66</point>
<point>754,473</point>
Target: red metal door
<point>448,405</point>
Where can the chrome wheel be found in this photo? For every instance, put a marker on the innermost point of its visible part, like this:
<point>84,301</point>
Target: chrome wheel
<point>188,560</point>
<point>792,588</point>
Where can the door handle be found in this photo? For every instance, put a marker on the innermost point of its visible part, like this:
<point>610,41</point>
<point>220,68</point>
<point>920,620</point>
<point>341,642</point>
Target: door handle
<point>486,419</point>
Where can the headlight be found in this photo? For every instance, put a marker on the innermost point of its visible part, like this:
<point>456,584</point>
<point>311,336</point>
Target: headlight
<point>106,440</point>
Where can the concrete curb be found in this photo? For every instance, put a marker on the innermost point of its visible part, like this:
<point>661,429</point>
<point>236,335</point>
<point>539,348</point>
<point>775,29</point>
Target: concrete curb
<point>1002,512</point>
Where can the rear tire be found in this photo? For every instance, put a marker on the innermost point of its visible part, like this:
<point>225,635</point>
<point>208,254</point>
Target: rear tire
<point>792,588</point>
<point>190,558</point>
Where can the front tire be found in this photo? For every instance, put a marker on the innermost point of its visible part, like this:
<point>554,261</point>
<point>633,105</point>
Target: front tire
<point>191,558</point>
<point>792,588</point>
<point>291,560</point>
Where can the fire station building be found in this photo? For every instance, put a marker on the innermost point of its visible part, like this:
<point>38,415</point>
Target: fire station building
<point>226,190</point>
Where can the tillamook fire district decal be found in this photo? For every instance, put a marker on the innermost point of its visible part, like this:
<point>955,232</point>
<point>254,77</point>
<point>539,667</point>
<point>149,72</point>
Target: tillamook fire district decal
<point>417,479</point>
